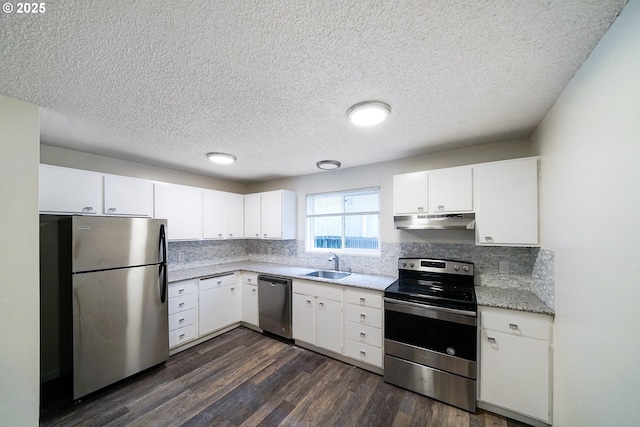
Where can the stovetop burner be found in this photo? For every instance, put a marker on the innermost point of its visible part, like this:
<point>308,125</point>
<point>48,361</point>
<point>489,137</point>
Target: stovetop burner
<point>441,283</point>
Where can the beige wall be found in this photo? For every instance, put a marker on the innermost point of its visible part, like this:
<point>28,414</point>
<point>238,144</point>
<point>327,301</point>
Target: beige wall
<point>76,159</point>
<point>19,267</point>
<point>381,175</point>
<point>590,200</point>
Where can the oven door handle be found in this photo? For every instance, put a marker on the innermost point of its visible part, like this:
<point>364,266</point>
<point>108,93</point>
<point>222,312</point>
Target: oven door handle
<point>432,312</point>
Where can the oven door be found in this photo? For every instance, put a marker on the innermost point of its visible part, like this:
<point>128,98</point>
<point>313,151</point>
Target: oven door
<point>437,337</point>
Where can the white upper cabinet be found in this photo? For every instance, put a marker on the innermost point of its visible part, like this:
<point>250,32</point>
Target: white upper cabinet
<point>223,215</point>
<point>182,207</point>
<point>507,203</point>
<point>410,193</point>
<point>270,215</point>
<point>451,190</point>
<point>64,190</point>
<point>252,215</point>
<point>128,196</point>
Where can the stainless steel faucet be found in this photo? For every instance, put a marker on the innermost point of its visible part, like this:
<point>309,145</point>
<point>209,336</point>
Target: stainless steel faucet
<point>336,261</point>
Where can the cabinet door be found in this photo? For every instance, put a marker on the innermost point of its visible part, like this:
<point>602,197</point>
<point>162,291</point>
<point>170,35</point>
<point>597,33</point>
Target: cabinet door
<point>128,196</point>
<point>182,207</point>
<point>213,214</point>
<point>451,190</point>
<point>410,193</point>
<point>303,318</point>
<point>249,304</point>
<point>234,210</point>
<point>329,325</point>
<point>514,373</point>
<point>271,222</point>
<point>64,190</point>
<point>507,211</point>
<point>252,215</point>
<point>217,309</point>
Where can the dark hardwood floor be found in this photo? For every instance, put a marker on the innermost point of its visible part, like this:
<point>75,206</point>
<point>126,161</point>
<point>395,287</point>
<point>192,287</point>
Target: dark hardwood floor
<point>243,378</point>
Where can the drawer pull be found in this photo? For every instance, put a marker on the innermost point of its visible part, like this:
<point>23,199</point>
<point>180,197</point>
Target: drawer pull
<point>181,291</point>
<point>233,289</point>
<point>440,207</point>
<point>181,320</point>
<point>257,235</point>
<point>321,304</point>
<point>513,326</point>
<point>249,280</point>
<point>230,234</point>
<point>219,282</point>
<point>308,302</point>
<point>111,210</point>
<point>362,335</point>
<point>181,304</point>
<point>491,340</point>
<point>181,336</point>
<point>420,209</point>
<point>362,316</point>
<point>254,291</point>
<point>488,239</point>
<point>219,234</point>
<point>362,300</point>
<point>87,209</point>
<point>363,353</point>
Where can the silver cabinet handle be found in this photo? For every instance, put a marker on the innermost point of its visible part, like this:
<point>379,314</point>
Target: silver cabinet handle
<point>181,304</point>
<point>219,234</point>
<point>181,336</point>
<point>233,289</point>
<point>363,353</point>
<point>513,326</point>
<point>230,234</point>
<point>362,316</point>
<point>87,209</point>
<point>362,335</point>
<point>440,207</point>
<point>265,234</point>
<point>254,291</point>
<point>219,282</point>
<point>111,210</point>
<point>257,235</point>
<point>362,300</point>
<point>491,340</point>
<point>420,209</point>
<point>488,239</point>
<point>321,304</point>
<point>181,291</point>
<point>181,320</point>
<point>308,301</point>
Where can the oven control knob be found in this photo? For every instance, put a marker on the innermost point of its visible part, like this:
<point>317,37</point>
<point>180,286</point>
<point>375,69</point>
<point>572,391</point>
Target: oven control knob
<point>465,268</point>
<point>404,263</point>
<point>411,264</point>
<point>456,267</point>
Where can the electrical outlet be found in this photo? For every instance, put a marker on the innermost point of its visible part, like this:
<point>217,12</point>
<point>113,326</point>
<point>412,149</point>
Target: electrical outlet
<point>286,252</point>
<point>269,251</point>
<point>180,256</point>
<point>504,267</point>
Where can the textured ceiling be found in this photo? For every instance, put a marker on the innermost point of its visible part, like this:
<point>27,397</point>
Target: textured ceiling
<point>165,82</point>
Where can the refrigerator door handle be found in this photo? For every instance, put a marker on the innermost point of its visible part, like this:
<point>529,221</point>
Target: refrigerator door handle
<point>163,265</point>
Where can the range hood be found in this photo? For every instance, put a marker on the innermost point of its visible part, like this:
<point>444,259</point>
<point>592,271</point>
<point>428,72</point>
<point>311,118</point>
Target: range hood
<point>466,221</point>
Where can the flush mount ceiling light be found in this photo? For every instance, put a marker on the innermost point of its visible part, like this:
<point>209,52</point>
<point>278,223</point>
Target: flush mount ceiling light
<point>221,158</point>
<point>368,113</point>
<point>328,165</point>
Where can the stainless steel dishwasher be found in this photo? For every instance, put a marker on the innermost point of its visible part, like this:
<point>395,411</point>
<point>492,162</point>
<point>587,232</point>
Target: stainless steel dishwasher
<point>274,304</point>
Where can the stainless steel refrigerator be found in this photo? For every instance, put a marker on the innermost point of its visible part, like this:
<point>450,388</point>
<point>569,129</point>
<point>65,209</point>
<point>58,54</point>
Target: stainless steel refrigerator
<point>116,273</point>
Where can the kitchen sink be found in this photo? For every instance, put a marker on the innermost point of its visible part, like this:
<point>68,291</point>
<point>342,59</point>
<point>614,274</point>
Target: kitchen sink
<point>328,274</point>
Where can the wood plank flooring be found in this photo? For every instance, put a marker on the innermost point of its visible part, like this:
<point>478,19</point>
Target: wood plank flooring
<point>243,378</point>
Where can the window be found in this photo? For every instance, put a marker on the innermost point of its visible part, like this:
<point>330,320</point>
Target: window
<point>348,221</point>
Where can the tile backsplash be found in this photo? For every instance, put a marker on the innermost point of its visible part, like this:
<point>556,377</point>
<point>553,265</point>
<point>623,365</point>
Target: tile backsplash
<point>530,269</point>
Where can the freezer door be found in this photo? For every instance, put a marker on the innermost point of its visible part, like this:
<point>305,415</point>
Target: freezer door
<point>120,326</point>
<point>100,243</point>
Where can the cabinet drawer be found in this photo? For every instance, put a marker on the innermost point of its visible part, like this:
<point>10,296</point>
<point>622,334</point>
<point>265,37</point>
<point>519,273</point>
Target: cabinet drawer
<point>331,292</point>
<point>364,334</point>
<point>364,315</point>
<point>518,323</point>
<point>180,320</point>
<point>182,303</point>
<point>363,297</point>
<point>249,278</point>
<point>363,352</point>
<point>215,282</point>
<point>182,335</point>
<point>182,288</point>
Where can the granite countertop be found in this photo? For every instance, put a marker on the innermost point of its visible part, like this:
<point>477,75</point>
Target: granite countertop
<point>513,299</point>
<point>486,295</point>
<point>367,281</point>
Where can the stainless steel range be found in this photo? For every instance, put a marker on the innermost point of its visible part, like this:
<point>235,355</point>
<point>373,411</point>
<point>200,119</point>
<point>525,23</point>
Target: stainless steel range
<point>430,330</point>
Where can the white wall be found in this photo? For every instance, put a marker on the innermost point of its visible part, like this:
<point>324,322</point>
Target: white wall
<point>590,204</point>
<point>381,175</point>
<point>19,266</point>
<point>78,160</point>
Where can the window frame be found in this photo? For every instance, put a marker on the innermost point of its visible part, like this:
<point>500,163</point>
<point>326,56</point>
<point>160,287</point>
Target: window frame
<point>310,237</point>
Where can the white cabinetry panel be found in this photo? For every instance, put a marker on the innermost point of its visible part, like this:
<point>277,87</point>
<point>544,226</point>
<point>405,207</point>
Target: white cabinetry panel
<point>64,190</point>
<point>410,193</point>
<point>451,190</point>
<point>182,207</point>
<point>128,196</point>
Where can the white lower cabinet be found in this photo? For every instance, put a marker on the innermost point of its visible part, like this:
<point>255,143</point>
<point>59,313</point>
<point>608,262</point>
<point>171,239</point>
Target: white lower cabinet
<point>249,297</point>
<point>217,303</point>
<point>363,326</point>
<point>183,312</point>
<point>515,362</point>
<point>317,314</point>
